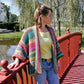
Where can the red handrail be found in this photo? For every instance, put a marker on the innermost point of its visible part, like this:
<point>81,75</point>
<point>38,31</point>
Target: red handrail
<point>70,44</point>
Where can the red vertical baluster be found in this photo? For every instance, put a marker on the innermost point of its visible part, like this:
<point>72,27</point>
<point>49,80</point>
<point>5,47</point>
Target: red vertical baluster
<point>15,79</point>
<point>25,75</point>
<point>30,79</point>
<point>9,81</point>
<point>34,82</point>
<point>46,82</point>
<point>20,77</point>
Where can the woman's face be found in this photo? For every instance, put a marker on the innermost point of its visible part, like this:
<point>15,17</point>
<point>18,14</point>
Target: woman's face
<point>48,18</point>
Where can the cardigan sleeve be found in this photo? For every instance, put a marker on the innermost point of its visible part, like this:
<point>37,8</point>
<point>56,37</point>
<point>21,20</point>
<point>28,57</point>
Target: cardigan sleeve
<point>57,47</point>
<point>58,50</point>
<point>22,50</point>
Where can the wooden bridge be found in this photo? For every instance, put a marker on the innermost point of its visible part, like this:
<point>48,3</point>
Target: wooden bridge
<point>76,73</point>
<point>72,64</point>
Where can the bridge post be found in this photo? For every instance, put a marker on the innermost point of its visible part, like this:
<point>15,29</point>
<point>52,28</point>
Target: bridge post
<point>4,71</point>
<point>68,32</point>
<point>80,43</point>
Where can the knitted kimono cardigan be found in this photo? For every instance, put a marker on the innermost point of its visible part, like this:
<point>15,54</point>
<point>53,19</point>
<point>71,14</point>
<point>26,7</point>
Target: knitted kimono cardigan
<point>29,48</point>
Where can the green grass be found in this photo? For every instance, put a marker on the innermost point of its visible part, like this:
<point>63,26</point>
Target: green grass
<point>82,46</point>
<point>11,35</point>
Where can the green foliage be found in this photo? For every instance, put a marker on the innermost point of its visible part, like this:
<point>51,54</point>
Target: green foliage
<point>82,18</point>
<point>16,27</point>
<point>67,11</point>
<point>27,9</point>
<point>14,18</point>
<point>73,12</point>
<point>9,26</point>
<point>7,8</point>
<point>7,12</point>
<point>1,22</point>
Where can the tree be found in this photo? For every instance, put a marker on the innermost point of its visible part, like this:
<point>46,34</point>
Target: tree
<point>68,10</point>
<point>56,6</point>
<point>82,13</point>
<point>14,18</point>
<point>7,8</point>
<point>27,8</point>
<point>73,12</point>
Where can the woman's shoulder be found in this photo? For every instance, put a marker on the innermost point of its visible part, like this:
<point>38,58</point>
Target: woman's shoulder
<point>51,29</point>
<point>31,29</point>
<point>27,32</point>
<point>28,29</point>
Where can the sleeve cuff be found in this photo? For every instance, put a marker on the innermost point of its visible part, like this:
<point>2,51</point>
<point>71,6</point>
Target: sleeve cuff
<point>19,57</point>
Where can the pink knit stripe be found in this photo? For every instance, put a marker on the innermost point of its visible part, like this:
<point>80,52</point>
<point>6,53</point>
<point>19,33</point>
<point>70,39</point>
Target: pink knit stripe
<point>32,45</point>
<point>25,49</point>
<point>19,56</point>
<point>32,49</point>
<point>38,53</point>
<point>38,62</point>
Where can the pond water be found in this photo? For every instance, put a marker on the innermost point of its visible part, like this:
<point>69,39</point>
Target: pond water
<point>7,49</point>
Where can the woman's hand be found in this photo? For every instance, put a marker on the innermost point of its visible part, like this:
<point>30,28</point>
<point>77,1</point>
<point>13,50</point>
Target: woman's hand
<point>14,64</point>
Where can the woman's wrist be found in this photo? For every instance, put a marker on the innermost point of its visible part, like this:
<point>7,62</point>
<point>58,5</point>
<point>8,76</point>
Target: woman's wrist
<point>16,60</point>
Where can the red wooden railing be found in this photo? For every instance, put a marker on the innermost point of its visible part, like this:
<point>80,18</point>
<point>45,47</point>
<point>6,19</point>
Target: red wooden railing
<point>70,44</point>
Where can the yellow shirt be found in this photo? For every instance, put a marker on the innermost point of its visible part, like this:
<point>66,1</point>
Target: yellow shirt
<point>45,45</point>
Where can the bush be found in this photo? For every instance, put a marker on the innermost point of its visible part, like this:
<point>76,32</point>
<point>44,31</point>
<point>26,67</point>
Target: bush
<point>16,27</point>
<point>10,26</point>
<point>0,21</point>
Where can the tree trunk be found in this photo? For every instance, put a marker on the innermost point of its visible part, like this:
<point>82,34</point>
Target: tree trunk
<point>58,16</point>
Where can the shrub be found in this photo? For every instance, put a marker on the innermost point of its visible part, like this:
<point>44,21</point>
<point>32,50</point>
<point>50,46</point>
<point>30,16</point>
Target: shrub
<point>10,26</point>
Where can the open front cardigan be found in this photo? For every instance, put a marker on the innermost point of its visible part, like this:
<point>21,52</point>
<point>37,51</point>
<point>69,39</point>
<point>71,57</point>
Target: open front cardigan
<point>29,48</point>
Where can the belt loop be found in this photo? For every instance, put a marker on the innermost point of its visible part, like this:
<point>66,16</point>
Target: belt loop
<point>47,60</point>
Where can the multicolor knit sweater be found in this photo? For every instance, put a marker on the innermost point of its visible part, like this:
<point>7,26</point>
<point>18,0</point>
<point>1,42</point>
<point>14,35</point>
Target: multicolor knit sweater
<point>28,48</point>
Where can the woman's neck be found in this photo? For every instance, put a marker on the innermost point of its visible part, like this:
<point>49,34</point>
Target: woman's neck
<point>43,29</point>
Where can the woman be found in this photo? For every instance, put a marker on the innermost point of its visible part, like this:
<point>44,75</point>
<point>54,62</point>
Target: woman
<point>39,45</point>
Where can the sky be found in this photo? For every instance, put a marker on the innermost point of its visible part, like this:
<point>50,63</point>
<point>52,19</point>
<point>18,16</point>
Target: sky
<point>13,8</point>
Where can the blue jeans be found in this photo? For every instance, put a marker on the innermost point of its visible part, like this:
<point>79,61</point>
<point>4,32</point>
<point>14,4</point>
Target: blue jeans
<point>48,74</point>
